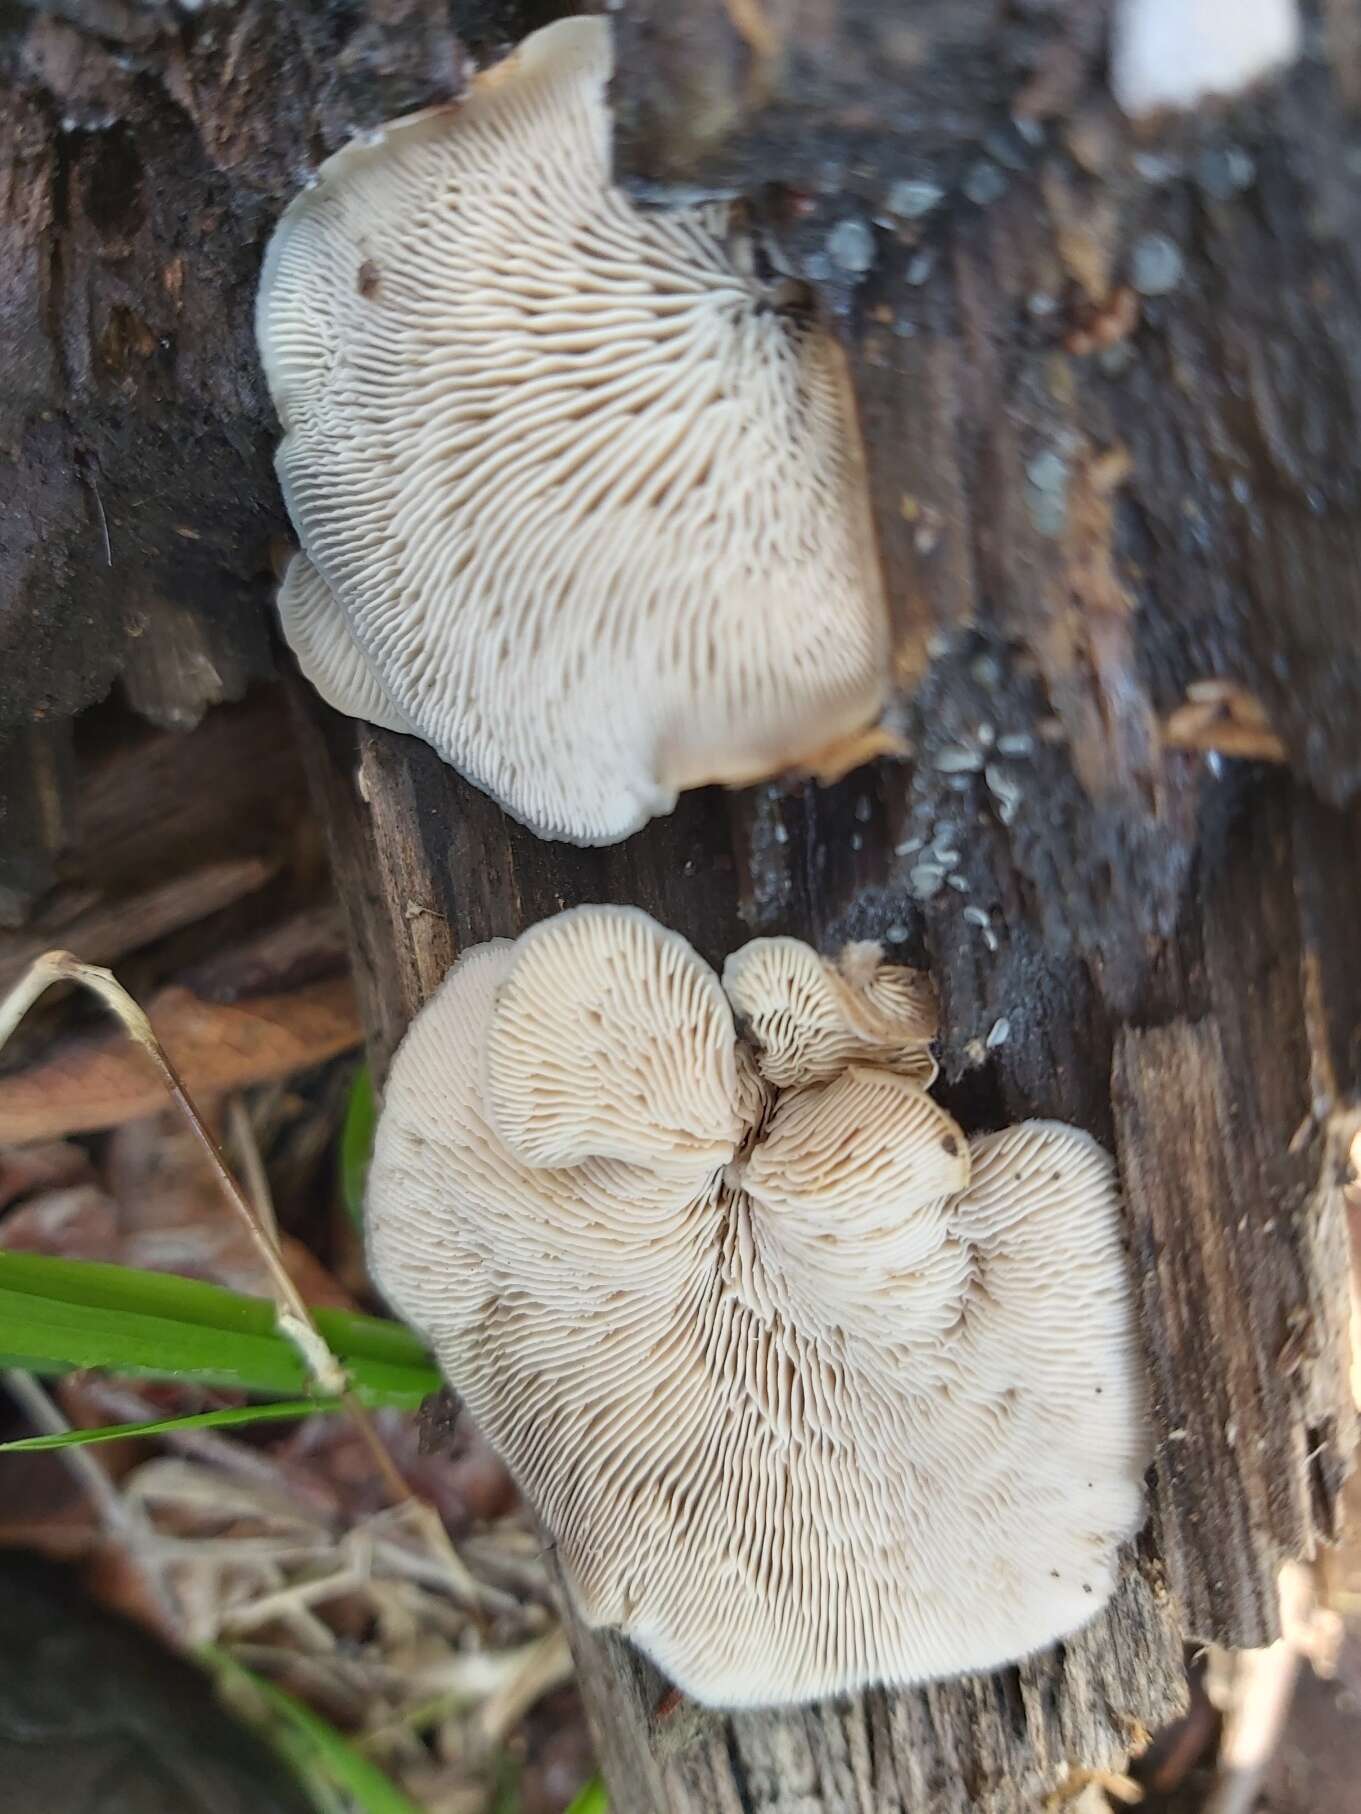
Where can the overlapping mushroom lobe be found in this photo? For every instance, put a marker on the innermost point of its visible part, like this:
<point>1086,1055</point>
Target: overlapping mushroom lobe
<point>578,497</point>
<point>812,1390</point>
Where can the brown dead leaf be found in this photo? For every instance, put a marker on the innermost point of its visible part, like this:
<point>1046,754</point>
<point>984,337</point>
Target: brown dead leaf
<point>160,1207</point>
<point>104,929</point>
<point>79,1222</point>
<point>51,1165</point>
<point>101,1081</point>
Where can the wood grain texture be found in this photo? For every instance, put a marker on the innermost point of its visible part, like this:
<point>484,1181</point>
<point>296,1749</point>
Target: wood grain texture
<point>1088,498</point>
<point>170,857</point>
<point>842,97</point>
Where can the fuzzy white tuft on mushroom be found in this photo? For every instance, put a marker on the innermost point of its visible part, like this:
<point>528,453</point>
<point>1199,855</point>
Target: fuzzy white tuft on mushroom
<point>578,500</point>
<point>812,1391</point>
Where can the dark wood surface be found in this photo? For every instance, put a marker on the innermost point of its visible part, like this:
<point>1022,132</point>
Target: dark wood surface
<point>1088,497</point>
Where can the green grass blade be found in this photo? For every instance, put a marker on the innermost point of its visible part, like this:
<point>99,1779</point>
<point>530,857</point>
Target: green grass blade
<point>506,1791</point>
<point>92,1282</point>
<point>323,1758</point>
<point>57,1315</point>
<point>356,1143</point>
<point>53,1335</point>
<point>591,1800</point>
<point>196,1420</point>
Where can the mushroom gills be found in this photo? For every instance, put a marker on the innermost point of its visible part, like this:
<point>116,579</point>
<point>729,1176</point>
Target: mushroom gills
<point>591,507</point>
<point>812,1391</point>
<point>320,636</point>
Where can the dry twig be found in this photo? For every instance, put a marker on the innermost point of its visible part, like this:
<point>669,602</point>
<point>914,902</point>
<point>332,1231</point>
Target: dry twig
<point>292,1315</point>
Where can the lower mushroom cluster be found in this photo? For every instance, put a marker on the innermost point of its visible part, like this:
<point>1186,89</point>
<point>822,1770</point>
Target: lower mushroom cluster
<point>812,1390</point>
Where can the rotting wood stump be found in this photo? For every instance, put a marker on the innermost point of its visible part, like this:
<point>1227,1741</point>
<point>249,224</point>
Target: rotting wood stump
<point>1109,392</point>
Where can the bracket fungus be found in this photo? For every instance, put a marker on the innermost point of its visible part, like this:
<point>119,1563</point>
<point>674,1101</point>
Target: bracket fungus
<point>578,496</point>
<point>812,1390</point>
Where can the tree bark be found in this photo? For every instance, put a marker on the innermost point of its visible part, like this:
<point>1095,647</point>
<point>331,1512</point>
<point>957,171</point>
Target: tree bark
<point>1109,393</point>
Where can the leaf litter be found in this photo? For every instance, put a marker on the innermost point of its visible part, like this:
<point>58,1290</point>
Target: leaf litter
<point>278,1546</point>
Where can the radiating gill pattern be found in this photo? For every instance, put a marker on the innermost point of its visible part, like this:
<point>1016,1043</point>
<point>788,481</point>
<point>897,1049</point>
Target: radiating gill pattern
<point>811,1391</point>
<point>582,494</point>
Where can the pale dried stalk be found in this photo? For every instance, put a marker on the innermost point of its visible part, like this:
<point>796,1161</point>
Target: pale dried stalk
<point>117,1517</point>
<point>500,1686</point>
<point>541,1666</point>
<point>1263,1689</point>
<point>242,1134</point>
<point>292,1315</point>
<point>352,1572</point>
<point>45,1415</point>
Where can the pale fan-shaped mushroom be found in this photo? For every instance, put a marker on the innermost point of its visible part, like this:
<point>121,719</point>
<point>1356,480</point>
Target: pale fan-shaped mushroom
<point>815,1396</point>
<point>612,1039</point>
<point>808,1018</point>
<point>578,494</point>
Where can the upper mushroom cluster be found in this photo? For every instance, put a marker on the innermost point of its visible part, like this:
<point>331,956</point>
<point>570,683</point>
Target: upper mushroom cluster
<point>576,495</point>
<point>812,1390</point>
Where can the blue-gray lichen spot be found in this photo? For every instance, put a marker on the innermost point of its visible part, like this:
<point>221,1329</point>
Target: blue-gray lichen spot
<point>1046,493</point>
<point>1156,265</point>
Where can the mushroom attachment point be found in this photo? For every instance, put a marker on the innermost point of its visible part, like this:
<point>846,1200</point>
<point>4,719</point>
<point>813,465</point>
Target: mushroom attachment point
<point>579,497</point>
<point>812,1390</point>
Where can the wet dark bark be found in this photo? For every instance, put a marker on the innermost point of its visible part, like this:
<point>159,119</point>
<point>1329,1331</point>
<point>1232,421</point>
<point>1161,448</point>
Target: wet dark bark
<point>1109,394</point>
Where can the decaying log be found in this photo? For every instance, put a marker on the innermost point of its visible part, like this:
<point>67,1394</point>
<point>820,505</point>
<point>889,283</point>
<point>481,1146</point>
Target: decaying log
<point>842,101</point>
<point>145,150</point>
<point>145,832</point>
<point>1232,1166</point>
<point>1109,391</point>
